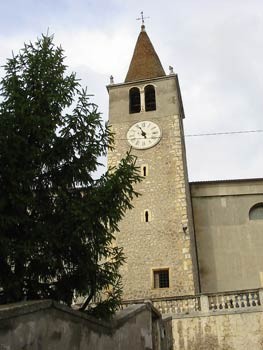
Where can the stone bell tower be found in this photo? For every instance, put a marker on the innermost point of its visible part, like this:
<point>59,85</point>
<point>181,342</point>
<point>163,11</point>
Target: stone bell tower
<point>146,113</point>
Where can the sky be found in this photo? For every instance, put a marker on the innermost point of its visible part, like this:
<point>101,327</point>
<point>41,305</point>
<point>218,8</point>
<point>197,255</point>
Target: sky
<point>215,47</point>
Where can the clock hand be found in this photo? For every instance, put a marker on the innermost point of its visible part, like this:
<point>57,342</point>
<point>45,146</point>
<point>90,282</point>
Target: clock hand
<point>142,132</point>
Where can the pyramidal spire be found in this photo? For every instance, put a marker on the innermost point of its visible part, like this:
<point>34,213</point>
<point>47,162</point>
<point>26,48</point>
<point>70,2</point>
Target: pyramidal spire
<point>145,63</point>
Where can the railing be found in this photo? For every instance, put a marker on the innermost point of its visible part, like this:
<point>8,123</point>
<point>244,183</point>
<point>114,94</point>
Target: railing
<point>175,305</point>
<point>168,305</point>
<point>236,300</point>
<point>216,302</point>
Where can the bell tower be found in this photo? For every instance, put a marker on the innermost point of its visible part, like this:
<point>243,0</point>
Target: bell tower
<point>146,113</point>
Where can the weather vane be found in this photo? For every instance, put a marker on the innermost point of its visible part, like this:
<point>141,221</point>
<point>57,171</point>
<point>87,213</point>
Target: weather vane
<point>142,18</point>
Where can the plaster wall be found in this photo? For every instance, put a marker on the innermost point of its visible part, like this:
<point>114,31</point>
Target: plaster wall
<point>47,325</point>
<point>229,245</point>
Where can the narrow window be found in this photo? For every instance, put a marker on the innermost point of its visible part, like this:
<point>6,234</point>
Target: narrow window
<point>144,170</point>
<point>146,216</point>
<point>161,278</point>
<point>256,212</point>
<point>150,102</point>
<point>135,100</point>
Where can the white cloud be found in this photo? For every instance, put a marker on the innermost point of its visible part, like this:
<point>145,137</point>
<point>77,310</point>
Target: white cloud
<point>214,46</point>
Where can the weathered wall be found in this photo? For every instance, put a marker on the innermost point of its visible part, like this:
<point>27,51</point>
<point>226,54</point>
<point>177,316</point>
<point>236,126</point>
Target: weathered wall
<point>235,331</point>
<point>229,244</point>
<point>160,243</point>
<point>48,325</point>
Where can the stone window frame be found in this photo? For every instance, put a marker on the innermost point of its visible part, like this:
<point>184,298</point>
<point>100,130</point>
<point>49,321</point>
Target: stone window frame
<point>160,269</point>
<point>144,170</point>
<point>142,98</point>
<point>143,216</point>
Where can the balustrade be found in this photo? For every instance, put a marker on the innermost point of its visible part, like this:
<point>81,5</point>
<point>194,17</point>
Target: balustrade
<point>178,306</point>
<point>242,299</point>
<point>227,301</point>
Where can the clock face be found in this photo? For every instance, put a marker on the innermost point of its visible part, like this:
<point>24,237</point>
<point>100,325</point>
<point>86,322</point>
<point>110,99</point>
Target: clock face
<point>144,134</point>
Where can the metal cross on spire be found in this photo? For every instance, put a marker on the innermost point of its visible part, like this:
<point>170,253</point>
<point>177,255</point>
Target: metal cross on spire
<point>142,18</point>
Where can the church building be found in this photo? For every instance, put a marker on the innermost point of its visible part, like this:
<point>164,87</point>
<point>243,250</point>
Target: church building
<point>181,238</point>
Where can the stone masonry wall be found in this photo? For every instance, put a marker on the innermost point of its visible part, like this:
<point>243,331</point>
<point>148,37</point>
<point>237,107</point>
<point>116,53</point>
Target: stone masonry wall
<point>162,242</point>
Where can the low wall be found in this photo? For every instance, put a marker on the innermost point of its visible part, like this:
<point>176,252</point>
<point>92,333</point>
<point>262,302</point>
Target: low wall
<point>240,299</point>
<point>239,330</point>
<point>219,321</point>
<point>49,325</point>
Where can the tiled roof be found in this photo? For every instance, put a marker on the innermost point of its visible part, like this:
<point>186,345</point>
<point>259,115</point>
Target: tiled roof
<point>145,63</point>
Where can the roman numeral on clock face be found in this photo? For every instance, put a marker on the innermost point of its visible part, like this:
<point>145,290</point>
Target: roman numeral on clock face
<point>144,134</point>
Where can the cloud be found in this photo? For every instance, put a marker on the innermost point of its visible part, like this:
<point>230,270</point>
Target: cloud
<point>214,46</point>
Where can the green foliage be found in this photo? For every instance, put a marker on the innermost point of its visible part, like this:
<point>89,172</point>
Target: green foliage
<point>56,220</point>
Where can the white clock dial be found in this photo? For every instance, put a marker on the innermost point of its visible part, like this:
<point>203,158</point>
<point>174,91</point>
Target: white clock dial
<point>144,134</point>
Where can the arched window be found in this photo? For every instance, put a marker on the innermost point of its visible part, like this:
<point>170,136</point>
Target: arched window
<point>256,212</point>
<point>135,100</point>
<point>150,102</point>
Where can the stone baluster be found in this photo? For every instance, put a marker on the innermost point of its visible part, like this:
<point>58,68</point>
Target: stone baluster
<point>231,302</point>
<point>211,303</point>
<point>214,302</point>
<point>161,307</point>
<point>243,300</point>
<point>226,302</point>
<point>166,309</point>
<point>185,306</point>
<point>257,298</point>
<point>218,302</point>
<point>181,306</point>
<point>189,305</point>
<point>236,302</point>
<point>247,300</point>
<point>176,306</point>
<point>171,306</point>
<point>222,302</point>
<point>198,304</point>
<point>239,300</point>
<point>193,305</point>
<point>250,299</point>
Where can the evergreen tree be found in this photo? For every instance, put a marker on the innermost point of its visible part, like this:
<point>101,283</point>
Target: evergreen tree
<point>56,220</point>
